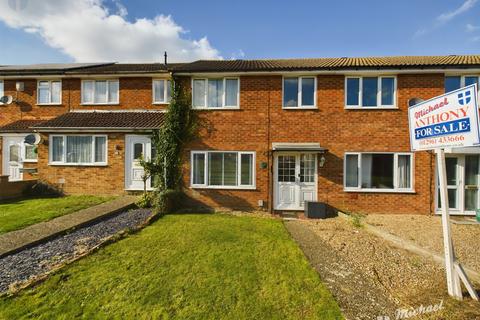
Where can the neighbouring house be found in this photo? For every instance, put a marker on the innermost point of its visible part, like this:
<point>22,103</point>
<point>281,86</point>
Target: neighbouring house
<point>273,134</point>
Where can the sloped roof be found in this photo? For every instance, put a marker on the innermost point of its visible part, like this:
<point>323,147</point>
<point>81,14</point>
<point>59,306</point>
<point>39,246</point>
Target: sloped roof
<point>344,63</point>
<point>20,126</point>
<point>122,120</point>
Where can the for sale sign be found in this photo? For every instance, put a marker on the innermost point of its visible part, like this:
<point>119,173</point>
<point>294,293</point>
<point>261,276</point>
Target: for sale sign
<point>446,121</point>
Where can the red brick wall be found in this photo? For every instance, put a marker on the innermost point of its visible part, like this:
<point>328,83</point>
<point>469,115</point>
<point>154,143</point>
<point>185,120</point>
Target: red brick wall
<point>332,126</point>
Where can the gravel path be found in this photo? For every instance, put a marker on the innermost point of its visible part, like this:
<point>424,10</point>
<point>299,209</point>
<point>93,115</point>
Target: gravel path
<point>426,231</point>
<point>22,266</point>
<point>369,277</point>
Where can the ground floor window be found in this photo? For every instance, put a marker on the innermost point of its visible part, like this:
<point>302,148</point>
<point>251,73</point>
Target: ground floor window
<point>78,149</point>
<point>223,169</point>
<point>378,171</point>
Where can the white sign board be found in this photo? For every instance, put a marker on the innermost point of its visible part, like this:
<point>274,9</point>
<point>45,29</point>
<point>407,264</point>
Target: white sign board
<point>446,121</point>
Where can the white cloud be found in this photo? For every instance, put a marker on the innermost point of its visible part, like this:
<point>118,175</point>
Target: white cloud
<point>87,31</point>
<point>447,16</point>
<point>471,27</point>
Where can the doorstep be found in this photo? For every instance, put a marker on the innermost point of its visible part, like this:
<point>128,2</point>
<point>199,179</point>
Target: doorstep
<point>17,240</point>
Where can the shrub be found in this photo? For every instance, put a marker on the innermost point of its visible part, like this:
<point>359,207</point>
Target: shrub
<point>167,201</point>
<point>145,200</point>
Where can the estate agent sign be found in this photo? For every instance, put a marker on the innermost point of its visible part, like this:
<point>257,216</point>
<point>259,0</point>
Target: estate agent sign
<point>447,121</point>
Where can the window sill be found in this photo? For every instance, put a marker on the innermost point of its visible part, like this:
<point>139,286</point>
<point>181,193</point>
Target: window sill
<point>223,187</point>
<point>379,190</point>
<point>300,108</point>
<point>78,164</point>
<point>100,104</point>
<point>371,108</point>
<point>30,161</point>
<point>48,104</point>
<point>160,103</point>
<point>220,108</point>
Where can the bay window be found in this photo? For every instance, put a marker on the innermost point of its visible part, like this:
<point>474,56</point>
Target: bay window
<point>378,172</point>
<point>162,91</point>
<point>223,169</point>
<point>216,93</point>
<point>78,149</point>
<point>299,92</point>
<point>100,91</point>
<point>456,82</point>
<point>370,92</point>
<point>49,92</point>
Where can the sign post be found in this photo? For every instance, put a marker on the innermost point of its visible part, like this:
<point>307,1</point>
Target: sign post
<point>447,121</point>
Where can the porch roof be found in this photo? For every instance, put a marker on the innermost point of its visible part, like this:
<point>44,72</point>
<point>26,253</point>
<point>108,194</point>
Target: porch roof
<point>313,147</point>
<point>104,121</point>
<point>20,126</point>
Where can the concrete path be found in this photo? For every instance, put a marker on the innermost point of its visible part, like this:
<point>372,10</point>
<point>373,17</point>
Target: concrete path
<point>16,240</point>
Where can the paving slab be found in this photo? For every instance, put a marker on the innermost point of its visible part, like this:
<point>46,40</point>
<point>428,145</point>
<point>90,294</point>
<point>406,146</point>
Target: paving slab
<point>17,240</point>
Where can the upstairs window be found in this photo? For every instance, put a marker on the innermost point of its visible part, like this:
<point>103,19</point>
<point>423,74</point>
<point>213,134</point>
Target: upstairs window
<point>216,93</point>
<point>49,92</point>
<point>370,92</point>
<point>378,172</point>
<point>100,91</point>
<point>299,92</point>
<point>162,91</point>
<point>456,82</point>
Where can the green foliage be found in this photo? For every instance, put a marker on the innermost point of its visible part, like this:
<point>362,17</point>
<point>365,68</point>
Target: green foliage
<point>145,200</point>
<point>195,266</point>
<point>165,167</point>
<point>167,201</point>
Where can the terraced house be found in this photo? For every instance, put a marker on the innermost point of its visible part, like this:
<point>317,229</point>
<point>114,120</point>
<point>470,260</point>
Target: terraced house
<point>274,134</point>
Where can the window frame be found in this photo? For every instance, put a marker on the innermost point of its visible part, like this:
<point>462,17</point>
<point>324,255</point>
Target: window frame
<point>84,103</point>
<point>64,153</point>
<point>24,153</point>
<point>205,185</point>
<point>462,80</point>
<point>224,80</point>
<point>299,93</point>
<point>379,105</point>
<point>395,189</point>
<point>165,91</point>
<point>49,103</point>
<point>2,91</point>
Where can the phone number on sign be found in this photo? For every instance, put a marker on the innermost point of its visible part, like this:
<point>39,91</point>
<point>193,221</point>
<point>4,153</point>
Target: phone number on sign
<point>442,140</point>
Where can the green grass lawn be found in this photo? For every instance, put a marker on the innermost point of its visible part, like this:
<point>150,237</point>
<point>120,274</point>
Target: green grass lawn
<point>18,214</point>
<point>186,267</point>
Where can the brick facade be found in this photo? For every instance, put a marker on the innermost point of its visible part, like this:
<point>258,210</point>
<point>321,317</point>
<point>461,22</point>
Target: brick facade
<point>258,123</point>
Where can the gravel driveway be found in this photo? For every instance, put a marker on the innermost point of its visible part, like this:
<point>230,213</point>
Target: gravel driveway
<point>426,231</point>
<point>371,278</point>
<point>38,260</point>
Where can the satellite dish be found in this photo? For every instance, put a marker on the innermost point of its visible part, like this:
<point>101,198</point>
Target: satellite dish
<point>33,138</point>
<point>414,101</point>
<point>6,99</point>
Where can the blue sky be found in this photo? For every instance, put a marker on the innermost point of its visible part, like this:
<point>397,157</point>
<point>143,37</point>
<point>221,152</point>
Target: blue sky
<point>248,29</point>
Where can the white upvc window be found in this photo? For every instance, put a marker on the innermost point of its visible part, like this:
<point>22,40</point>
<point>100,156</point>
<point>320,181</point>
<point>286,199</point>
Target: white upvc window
<point>100,92</point>
<point>79,150</point>
<point>454,82</point>
<point>299,92</point>
<point>216,93</point>
<point>378,172</point>
<point>2,91</point>
<point>371,92</point>
<point>222,169</point>
<point>162,91</point>
<point>30,153</point>
<point>49,92</point>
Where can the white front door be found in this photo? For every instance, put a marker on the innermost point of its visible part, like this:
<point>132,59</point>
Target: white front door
<point>463,183</point>
<point>137,146</point>
<point>12,157</point>
<point>295,180</point>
